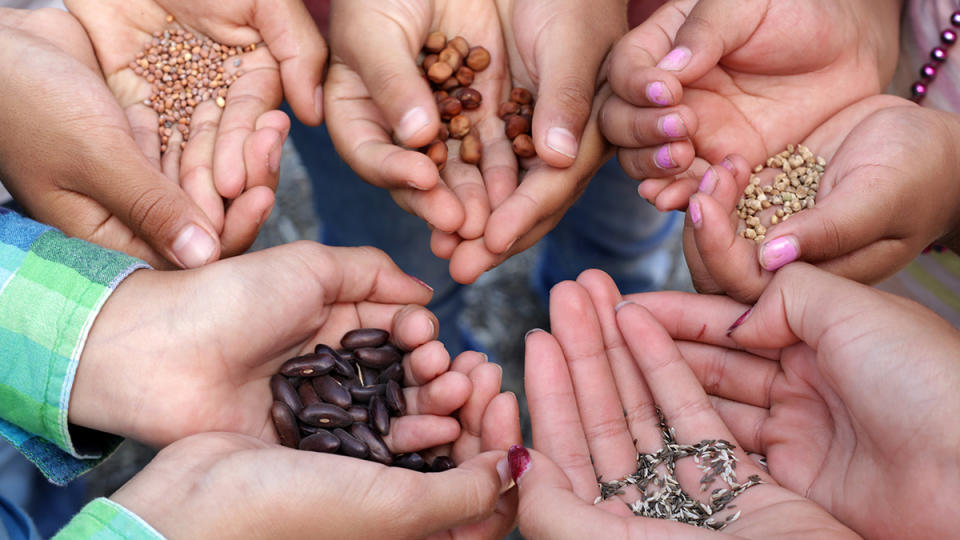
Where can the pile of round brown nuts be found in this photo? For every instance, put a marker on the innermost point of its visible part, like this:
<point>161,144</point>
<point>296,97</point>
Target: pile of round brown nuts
<point>793,190</point>
<point>450,67</point>
<point>342,400</point>
<point>184,70</point>
<point>517,115</point>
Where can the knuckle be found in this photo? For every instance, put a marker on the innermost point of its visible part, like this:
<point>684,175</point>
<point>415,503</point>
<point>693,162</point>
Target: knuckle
<point>152,212</point>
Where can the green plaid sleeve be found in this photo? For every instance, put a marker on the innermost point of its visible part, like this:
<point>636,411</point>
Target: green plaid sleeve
<point>51,289</point>
<point>103,519</point>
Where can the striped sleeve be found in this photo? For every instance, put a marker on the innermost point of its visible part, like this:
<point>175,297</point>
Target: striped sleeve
<point>103,519</point>
<point>51,289</point>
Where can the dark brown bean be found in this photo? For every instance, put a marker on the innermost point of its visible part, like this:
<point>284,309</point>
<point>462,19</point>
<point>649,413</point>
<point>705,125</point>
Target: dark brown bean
<point>308,365</point>
<point>437,152</point>
<point>526,110</point>
<point>507,108</point>
<point>394,372</point>
<point>470,99</point>
<point>428,61</point>
<point>364,337</point>
<point>344,368</point>
<point>440,95</point>
<point>368,376</point>
<point>286,424</point>
<point>459,126</point>
<point>450,84</point>
<point>516,125</point>
<point>308,396</point>
<point>440,72</point>
<point>359,414</point>
<point>379,416</point>
<point>435,42</point>
<point>460,44</point>
<point>451,57</point>
<point>412,460</point>
<point>442,463</point>
<point>325,415</point>
<point>363,394</point>
<point>449,108</point>
<point>464,76</point>
<point>478,58</point>
<point>523,146</point>
<point>376,357</point>
<point>378,449</point>
<point>471,149</point>
<point>351,445</point>
<point>444,133</point>
<point>396,402</point>
<point>321,441</point>
<point>295,381</point>
<point>283,391</point>
<point>330,390</point>
<point>521,96</point>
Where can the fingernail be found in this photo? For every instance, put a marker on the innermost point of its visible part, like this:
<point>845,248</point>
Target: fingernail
<point>506,481</point>
<point>421,283</point>
<point>779,252</point>
<point>519,460</point>
<point>532,330</point>
<point>273,157</point>
<point>728,165</point>
<point>693,208</point>
<point>672,126</point>
<point>562,141</point>
<point>264,215</point>
<point>193,246</point>
<point>663,158</point>
<point>617,307</point>
<point>318,101</point>
<point>709,181</point>
<point>412,122</point>
<point>675,60</point>
<point>659,94</point>
<point>740,320</point>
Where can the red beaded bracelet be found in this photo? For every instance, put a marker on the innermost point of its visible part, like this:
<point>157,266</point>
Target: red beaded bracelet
<point>937,56</point>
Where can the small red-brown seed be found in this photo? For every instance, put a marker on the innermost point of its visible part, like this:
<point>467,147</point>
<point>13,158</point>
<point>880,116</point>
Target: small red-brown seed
<point>507,108</point>
<point>437,152</point>
<point>449,108</point>
<point>428,61</point>
<point>523,146</point>
<point>435,42</point>
<point>470,98</point>
<point>451,57</point>
<point>478,59</point>
<point>464,76</point>
<point>460,44</point>
<point>450,84</point>
<point>440,72</point>
<point>526,110</point>
<point>440,95</point>
<point>516,125</point>
<point>459,126</point>
<point>521,96</point>
<point>471,149</point>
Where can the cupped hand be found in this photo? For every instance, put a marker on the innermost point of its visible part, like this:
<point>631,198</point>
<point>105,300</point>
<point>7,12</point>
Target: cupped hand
<point>890,189</point>
<point>380,108</point>
<point>70,156</point>
<point>593,389</point>
<point>848,391</point>
<point>709,78</point>
<point>225,485</point>
<point>230,164</point>
<point>177,353</point>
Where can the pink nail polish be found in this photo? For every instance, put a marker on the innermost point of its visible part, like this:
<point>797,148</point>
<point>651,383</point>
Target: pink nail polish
<point>696,216</point>
<point>672,126</point>
<point>740,320</point>
<point>779,252</point>
<point>659,94</point>
<point>663,158</point>
<point>519,460</point>
<point>675,60</point>
<point>421,282</point>
<point>709,182</point>
<point>728,165</point>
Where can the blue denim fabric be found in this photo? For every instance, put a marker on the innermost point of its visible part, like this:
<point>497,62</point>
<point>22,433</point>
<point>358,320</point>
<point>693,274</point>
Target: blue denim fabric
<point>610,227</point>
<point>26,494</point>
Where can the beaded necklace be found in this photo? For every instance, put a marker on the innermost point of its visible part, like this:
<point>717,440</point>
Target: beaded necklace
<point>937,57</point>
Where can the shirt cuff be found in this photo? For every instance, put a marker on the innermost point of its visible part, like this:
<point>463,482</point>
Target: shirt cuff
<point>104,519</point>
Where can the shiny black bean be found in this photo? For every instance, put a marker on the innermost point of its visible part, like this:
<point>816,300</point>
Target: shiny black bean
<point>378,449</point>
<point>283,391</point>
<point>295,381</point>
<point>325,415</point>
<point>308,365</point>
<point>363,394</point>
<point>343,368</point>
<point>379,416</point>
<point>377,358</point>
<point>396,402</point>
<point>393,372</point>
<point>368,376</point>
<point>364,337</point>
<point>351,445</point>
<point>412,460</point>
<point>442,463</point>
<point>286,424</point>
<point>308,396</point>
<point>359,414</point>
<point>330,390</point>
<point>321,441</point>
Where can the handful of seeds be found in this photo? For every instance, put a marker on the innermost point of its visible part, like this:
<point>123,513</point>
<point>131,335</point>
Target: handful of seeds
<point>793,190</point>
<point>663,498</point>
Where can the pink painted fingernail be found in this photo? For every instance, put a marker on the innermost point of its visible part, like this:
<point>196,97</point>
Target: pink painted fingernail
<point>709,181</point>
<point>659,94</point>
<point>740,320</point>
<point>663,158</point>
<point>675,60</point>
<point>728,165</point>
<point>519,459</point>
<point>779,252</point>
<point>693,208</point>
<point>621,305</point>
<point>672,126</point>
<point>421,282</point>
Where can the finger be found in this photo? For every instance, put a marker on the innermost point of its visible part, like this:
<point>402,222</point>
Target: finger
<point>657,162</point>
<point>555,421</point>
<point>444,244</point>
<point>244,217</point>
<point>628,126</point>
<point>412,326</point>
<point>426,363</point>
<point>417,433</point>
<point>745,422</point>
<point>501,423</point>
<point>263,149</point>
<point>294,40</point>
<point>441,396</point>
<point>632,75</point>
<point>196,165</point>
<point>143,124</point>
<point>486,385</point>
<point>731,374</point>
<point>466,361</point>
<point>466,182</point>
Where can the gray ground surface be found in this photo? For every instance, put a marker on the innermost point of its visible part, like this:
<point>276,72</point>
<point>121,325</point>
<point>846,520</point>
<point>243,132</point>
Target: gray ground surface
<point>500,308</point>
